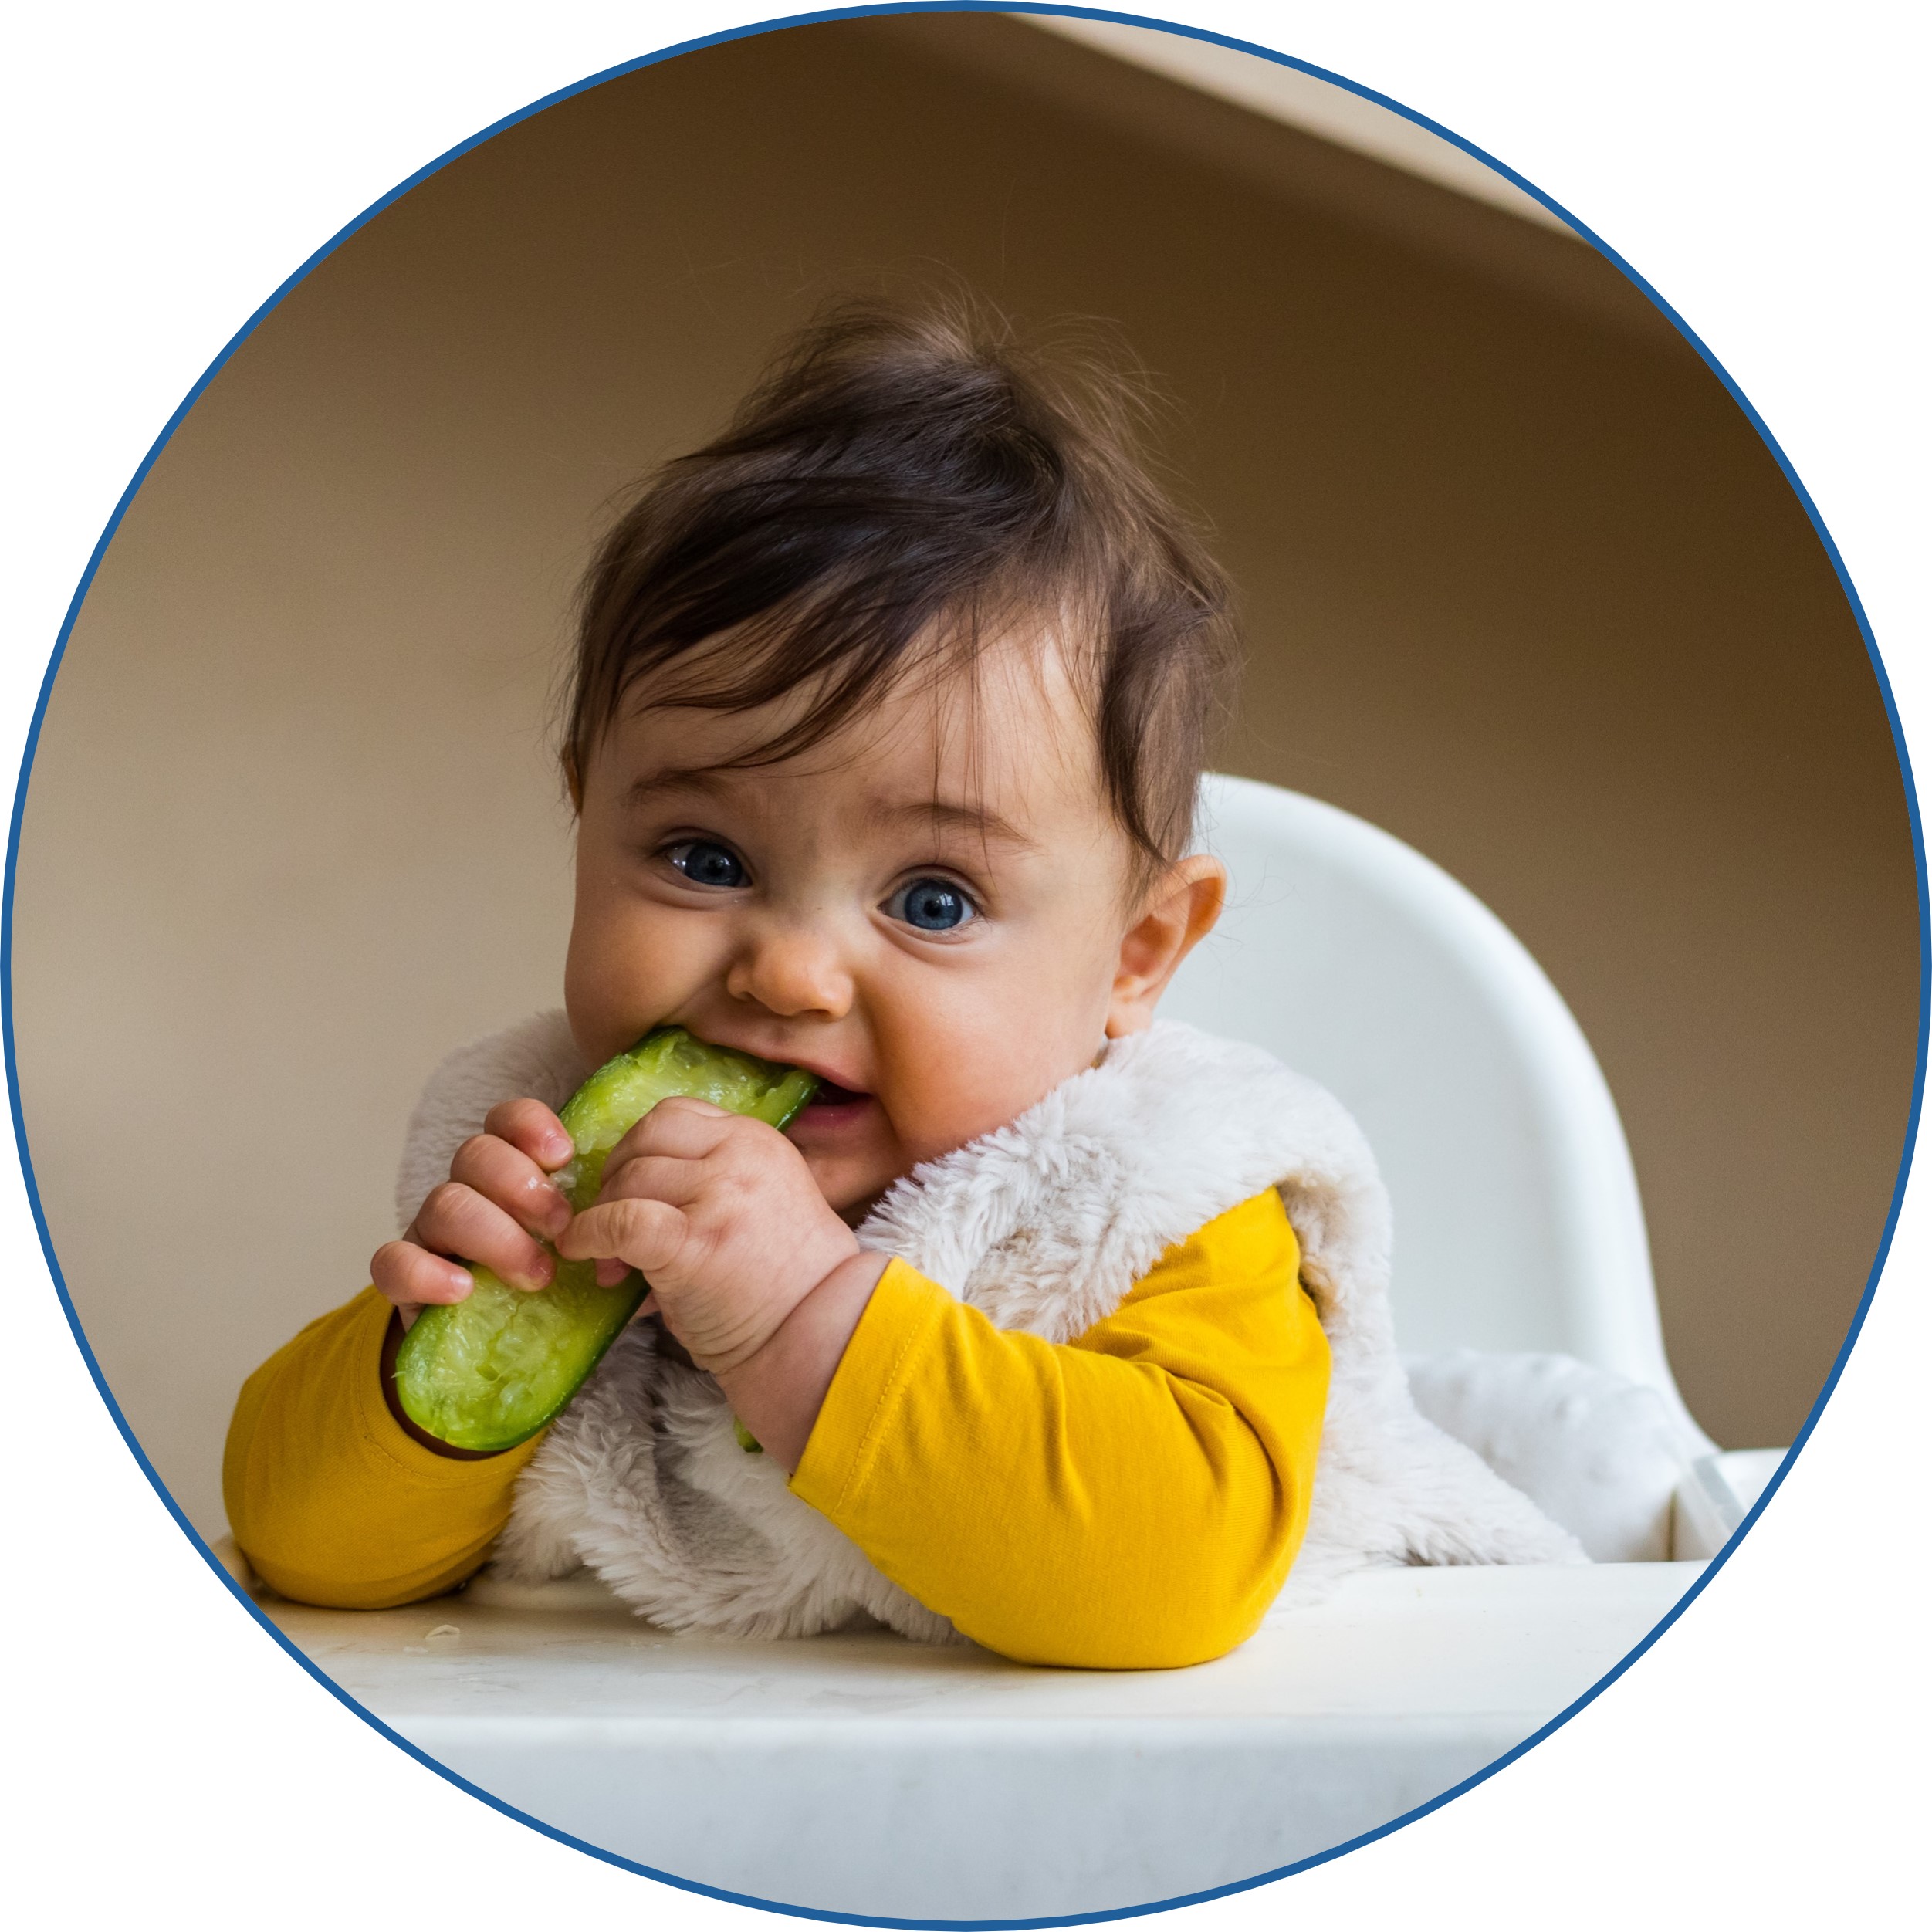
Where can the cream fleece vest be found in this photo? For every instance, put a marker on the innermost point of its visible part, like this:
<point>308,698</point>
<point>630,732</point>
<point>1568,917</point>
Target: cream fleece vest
<point>1044,1226</point>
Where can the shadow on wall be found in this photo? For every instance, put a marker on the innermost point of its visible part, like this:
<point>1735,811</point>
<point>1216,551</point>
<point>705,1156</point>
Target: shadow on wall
<point>1522,586</point>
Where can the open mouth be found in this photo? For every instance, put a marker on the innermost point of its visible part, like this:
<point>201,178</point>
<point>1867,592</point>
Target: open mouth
<point>830,1096</point>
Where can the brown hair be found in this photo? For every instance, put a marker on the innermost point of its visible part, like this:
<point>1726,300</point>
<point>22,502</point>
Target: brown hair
<point>899,482</point>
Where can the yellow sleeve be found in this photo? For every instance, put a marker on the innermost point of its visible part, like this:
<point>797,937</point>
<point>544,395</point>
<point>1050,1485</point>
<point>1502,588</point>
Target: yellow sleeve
<point>1130,1500</point>
<point>330,1501</point>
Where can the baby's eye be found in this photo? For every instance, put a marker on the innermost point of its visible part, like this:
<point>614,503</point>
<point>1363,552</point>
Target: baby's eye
<point>705,863</point>
<point>931,906</point>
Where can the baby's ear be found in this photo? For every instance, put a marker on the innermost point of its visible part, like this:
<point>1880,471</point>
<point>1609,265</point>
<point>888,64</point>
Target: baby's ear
<point>1177,912</point>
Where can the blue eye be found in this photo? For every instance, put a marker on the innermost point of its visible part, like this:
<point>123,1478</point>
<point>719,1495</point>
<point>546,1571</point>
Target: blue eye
<point>705,863</point>
<point>931,906</point>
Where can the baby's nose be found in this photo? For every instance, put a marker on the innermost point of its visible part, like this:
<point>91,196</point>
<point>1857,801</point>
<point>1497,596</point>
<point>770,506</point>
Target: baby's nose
<point>792,969</point>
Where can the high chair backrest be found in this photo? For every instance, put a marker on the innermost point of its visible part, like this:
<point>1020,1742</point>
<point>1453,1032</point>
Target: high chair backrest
<point>1360,963</point>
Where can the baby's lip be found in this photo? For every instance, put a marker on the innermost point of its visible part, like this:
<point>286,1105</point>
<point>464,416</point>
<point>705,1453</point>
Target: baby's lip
<point>823,1070</point>
<point>830,1083</point>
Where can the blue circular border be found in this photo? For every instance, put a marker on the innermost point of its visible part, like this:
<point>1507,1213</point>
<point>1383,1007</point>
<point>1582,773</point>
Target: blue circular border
<point>746,33</point>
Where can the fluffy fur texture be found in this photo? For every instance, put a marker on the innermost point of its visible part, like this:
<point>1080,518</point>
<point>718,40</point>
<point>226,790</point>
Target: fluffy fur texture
<point>1045,1226</point>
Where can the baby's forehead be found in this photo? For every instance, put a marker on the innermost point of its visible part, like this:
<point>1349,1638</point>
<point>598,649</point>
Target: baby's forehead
<point>1005,741</point>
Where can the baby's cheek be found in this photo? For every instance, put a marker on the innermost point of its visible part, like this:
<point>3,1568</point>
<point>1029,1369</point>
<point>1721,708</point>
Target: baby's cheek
<point>625,971</point>
<point>969,1085</point>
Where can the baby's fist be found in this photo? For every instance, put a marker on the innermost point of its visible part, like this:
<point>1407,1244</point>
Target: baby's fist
<point>723,1217</point>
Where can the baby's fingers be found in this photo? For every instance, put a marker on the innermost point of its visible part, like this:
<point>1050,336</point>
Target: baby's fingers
<point>505,1175</point>
<point>411,1277</point>
<point>680,1126</point>
<point>456,1220</point>
<point>532,1129</point>
<point>648,1235</point>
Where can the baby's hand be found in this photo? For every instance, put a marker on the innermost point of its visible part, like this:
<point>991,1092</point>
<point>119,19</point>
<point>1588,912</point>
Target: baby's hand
<point>722,1216</point>
<point>497,1202</point>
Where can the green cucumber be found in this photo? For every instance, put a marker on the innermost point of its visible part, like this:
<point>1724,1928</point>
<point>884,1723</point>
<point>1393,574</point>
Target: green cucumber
<point>490,1371</point>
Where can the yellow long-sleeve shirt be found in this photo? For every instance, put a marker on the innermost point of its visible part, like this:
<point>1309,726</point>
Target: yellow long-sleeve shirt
<point>1130,1499</point>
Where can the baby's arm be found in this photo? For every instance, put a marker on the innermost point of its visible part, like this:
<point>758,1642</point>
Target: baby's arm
<point>331,1501</point>
<point>335,1497</point>
<point>1130,1499</point>
<point>1133,1499</point>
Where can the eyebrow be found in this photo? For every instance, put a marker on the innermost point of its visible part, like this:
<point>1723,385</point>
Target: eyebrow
<point>941,814</point>
<point>697,778</point>
<point>947,815</point>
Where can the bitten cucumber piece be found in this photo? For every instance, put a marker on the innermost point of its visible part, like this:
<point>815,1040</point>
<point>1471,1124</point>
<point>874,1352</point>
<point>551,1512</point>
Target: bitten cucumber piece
<point>489,1372</point>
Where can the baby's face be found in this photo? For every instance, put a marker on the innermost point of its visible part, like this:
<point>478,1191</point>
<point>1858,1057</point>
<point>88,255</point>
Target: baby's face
<point>930,911</point>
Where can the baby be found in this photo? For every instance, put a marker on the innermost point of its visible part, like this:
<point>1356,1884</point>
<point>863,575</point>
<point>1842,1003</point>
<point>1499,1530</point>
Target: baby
<point>889,711</point>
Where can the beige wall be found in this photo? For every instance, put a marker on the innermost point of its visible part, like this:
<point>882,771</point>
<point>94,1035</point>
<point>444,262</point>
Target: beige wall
<point>1522,586</point>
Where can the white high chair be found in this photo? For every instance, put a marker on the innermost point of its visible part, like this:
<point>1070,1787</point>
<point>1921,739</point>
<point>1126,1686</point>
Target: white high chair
<point>1520,1243</point>
<point>1357,962</point>
<point>859,1774</point>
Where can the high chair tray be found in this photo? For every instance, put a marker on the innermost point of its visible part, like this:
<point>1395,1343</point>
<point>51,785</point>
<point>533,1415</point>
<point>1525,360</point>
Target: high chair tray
<point>860,1773</point>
